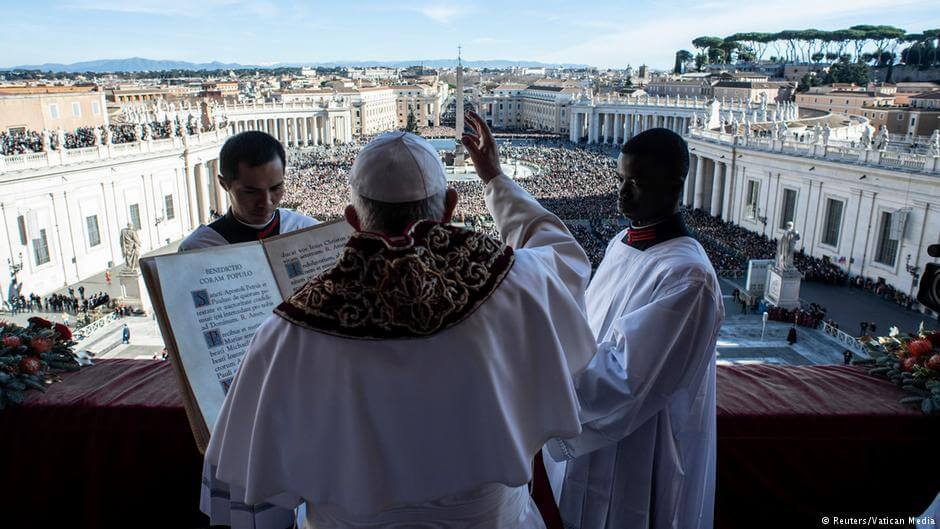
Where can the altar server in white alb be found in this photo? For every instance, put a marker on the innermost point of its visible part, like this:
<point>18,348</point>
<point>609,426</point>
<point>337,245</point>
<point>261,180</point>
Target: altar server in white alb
<point>412,384</point>
<point>253,165</point>
<point>646,455</point>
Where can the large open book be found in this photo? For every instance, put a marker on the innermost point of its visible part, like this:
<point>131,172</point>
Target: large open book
<point>209,303</point>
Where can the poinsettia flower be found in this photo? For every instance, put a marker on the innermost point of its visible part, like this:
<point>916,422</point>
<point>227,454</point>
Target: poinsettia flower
<point>40,344</point>
<point>64,332</point>
<point>40,322</point>
<point>12,341</point>
<point>30,365</point>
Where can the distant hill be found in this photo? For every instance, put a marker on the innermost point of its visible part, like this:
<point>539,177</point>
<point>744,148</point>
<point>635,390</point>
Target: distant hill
<point>138,64</point>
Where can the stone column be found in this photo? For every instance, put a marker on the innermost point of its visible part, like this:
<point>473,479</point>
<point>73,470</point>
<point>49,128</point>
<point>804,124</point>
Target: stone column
<point>315,130</point>
<point>572,126</point>
<point>689,188</point>
<point>202,193</point>
<point>593,127</point>
<point>698,199</point>
<point>302,132</point>
<point>717,184</point>
<point>728,193</point>
<point>328,129</point>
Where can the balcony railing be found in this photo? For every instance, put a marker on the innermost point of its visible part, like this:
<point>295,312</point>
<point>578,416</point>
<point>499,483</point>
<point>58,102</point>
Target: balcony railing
<point>40,160</point>
<point>837,153</point>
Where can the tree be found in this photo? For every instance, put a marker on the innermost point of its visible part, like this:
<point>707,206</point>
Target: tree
<point>412,125</point>
<point>862,37</point>
<point>933,37</point>
<point>846,72</point>
<point>682,58</point>
<point>728,47</point>
<point>709,46</point>
<point>818,56</point>
<point>746,54</point>
<point>810,79</point>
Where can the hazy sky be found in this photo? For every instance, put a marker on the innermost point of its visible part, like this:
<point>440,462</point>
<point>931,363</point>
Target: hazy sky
<point>603,33</point>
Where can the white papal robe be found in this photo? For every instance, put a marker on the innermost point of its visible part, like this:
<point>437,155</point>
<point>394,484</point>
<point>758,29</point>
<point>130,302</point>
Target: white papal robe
<point>205,237</point>
<point>646,455</point>
<point>431,431</point>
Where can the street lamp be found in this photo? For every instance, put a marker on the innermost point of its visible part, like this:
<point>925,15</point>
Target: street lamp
<point>14,266</point>
<point>913,270</point>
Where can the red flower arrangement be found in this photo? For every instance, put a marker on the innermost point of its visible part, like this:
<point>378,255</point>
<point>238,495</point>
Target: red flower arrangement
<point>31,357</point>
<point>912,362</point>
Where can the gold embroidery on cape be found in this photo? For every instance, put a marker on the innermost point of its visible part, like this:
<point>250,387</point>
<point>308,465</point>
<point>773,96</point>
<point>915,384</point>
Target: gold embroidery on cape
<point>416,289</point>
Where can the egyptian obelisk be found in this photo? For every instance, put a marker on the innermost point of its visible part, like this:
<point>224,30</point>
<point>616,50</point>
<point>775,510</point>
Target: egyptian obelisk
<point>458,133</point>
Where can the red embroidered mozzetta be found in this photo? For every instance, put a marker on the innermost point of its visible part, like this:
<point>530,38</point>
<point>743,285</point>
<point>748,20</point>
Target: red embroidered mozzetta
<point>428,280</point>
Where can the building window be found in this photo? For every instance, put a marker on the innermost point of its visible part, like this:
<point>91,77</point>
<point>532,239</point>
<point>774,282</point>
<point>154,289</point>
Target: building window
<point>41,248</point>
<point>753,190</point>
<point>168,210</point>
<point>54,111</point>
<point>135,216</point>
<point>788,213</point>
<point>77,110</point>
<point>95,108</point>
<point>94,237</point>
<point>833,222</point>
<point>887,247</point>
<point>21,227</point>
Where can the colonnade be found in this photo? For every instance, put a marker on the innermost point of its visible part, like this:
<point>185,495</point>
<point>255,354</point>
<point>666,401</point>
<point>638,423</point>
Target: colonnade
<point>205,191</point>
<point>618,127</point>
<point>299,131</point>
<point>708,186</point>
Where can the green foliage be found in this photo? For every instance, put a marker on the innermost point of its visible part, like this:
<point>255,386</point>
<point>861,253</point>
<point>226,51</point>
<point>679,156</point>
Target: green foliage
<point>412,125</point>
<point>805,45</point>
<point>846,72</point>
<point>683,57</point>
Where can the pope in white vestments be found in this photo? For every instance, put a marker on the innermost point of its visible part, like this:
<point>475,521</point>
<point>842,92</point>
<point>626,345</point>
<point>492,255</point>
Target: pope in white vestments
<point>252,165</point>
<point>412,384</point>
<point>646,455</point>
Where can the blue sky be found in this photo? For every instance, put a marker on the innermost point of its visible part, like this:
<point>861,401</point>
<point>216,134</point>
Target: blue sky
<point>601,33</point>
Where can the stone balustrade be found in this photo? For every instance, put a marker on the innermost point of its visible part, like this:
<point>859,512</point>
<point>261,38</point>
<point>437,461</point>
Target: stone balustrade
<point>97,153</point>
<point>842,153</point>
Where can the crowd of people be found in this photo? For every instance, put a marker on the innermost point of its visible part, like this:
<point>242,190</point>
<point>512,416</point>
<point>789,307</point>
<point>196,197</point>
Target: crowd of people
<point>318,187</point>
<point>20,142</point>
<point>730,247</point>
<point>805,318</point>
<point>882,290</point>
<point>67,304</point>
<point>24,142</point>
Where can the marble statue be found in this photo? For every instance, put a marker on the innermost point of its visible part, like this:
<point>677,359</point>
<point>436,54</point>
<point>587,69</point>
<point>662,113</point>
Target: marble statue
<point>786,246</point>
<point>865,141</point>
<point>933,146</point>
<point>60,138</point>
<point>827,131</point>
<point>881,141</point>
<point>97,132</point>
<point>46,141</point>
<point>130,247</point>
